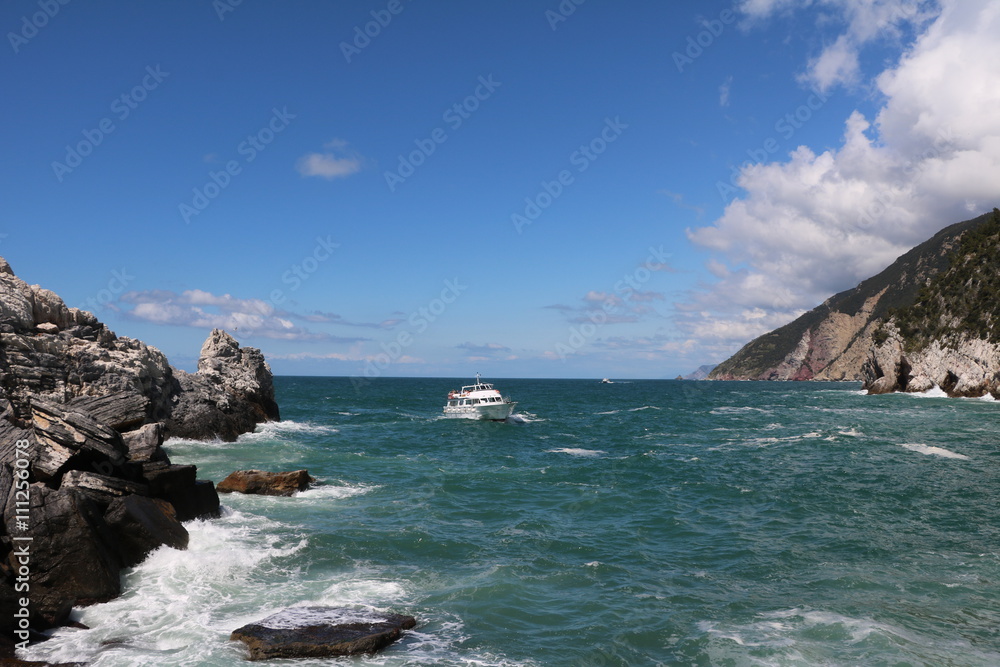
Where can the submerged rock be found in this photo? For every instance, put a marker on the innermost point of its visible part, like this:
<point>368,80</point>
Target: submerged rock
<point>266,483</point>
<point>317,632</point>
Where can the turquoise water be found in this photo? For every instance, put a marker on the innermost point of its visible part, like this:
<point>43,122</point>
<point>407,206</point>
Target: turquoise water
<point>637,523</point>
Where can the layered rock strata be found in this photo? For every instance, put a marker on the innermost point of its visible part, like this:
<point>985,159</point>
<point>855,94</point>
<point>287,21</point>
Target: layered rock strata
<point>84,479</point>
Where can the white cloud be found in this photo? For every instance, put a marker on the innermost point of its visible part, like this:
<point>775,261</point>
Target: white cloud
<point>863,22</point>
<point>819,223</point>
<point>201,309</point>
<point>336,162</point>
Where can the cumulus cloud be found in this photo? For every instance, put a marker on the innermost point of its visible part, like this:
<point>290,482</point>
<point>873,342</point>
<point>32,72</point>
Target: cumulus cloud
<point>336,162</point>
<point>862,21</point>
<point>819,223</point>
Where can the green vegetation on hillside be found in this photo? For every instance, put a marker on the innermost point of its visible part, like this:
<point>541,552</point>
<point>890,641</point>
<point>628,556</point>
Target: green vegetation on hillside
<point>899,285</point>
<point>963,299</point>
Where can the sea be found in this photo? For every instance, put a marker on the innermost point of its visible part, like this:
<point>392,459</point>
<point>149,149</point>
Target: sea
<point>644,522</point>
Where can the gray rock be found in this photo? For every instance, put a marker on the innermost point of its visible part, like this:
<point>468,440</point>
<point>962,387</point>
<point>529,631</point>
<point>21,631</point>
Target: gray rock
<point>144,444</point>
<point>231,393</point>
<point>320,632</point>
<point>66,439</point>
<point>140,525</point>
<point>101,488</point>
<point>71,557</point>
<point>121,410</point>
<point>191,498</point>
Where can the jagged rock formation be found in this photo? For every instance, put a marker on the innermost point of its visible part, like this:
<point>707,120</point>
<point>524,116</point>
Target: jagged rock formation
<point>231,393</point>
<point>832,341</point>
<point>83,417</point>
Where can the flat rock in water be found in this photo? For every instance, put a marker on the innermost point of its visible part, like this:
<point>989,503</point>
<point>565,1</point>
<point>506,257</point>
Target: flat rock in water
<point>317,632</point>
<point>265,483</point>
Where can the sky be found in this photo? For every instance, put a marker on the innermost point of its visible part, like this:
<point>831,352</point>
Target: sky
<point>573,188</point>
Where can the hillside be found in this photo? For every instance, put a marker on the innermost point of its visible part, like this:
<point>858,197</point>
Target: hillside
<point>949,336</point>
<point>832,341</point>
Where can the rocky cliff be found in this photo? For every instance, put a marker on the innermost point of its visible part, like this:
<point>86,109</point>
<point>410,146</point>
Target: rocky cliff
<point>833,340</point>
<point>949,336</point>
<point>85,486</point>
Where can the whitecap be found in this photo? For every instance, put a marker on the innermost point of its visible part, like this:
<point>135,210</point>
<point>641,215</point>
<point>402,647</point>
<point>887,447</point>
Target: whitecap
<point>524,418</point>
<point>934,451</point>
<point>576,451</point>
<point>335,491</point>
<point>290,426</point>
<point>933,392</point>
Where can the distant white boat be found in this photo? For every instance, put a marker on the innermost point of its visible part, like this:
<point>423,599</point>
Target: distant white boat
<point>606,381</point>
<point>478,401</point>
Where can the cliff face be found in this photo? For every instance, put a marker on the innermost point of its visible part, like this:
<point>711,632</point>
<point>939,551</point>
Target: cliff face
<point>83,416</point>
<point>833,340</point>
<point>949,336</point>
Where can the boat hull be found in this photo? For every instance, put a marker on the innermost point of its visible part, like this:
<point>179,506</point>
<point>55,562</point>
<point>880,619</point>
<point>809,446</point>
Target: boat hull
<point>494,411</point>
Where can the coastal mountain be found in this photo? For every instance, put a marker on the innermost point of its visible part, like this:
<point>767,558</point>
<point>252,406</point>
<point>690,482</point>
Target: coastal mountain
<point>834,340</point>
<point>949,335</point>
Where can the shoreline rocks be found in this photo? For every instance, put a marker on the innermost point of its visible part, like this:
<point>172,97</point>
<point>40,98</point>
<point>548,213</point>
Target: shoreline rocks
<point>83,417</point>
<point>966,368</point>
<point>319,632</point>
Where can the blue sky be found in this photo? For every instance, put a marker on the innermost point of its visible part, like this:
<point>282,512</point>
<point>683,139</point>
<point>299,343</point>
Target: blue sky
<point>524,189</point>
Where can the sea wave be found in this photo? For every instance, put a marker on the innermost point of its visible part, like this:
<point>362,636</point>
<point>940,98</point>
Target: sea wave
<point>577,451</point>
<point>289,427</point>
<point>930,450</point>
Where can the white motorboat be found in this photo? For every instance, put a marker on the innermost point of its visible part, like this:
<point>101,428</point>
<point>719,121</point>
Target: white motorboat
<point>606,381</point>
<point>478,401</point>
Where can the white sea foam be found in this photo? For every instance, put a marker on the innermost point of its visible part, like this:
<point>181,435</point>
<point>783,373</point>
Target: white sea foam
<point>576,451</point>
<point>852,432</point>
<point>524,418</point>
<point>278,429</point>
<point>934,451</point>
<point>645,407</point>
<point>933,392</point>
<point>335,491</point>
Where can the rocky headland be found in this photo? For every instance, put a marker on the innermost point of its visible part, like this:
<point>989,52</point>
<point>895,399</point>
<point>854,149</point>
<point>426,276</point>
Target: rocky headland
<point>86,485</point>
<point>925,321</point>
